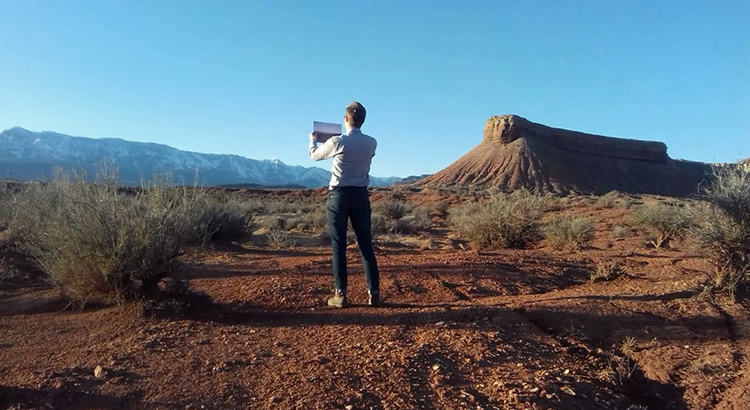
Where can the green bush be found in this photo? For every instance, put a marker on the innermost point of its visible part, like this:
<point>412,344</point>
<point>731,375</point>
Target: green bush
<point>724,228</point>
<point>663,222</point>
<point>98,242</point>
<point>503,221</point>
<point>569,232</point>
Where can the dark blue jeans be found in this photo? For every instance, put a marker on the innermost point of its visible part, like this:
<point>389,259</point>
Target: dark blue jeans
<point>351,203</point>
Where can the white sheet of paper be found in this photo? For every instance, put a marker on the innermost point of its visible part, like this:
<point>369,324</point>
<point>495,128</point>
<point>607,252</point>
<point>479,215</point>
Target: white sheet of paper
<point>326,128</point>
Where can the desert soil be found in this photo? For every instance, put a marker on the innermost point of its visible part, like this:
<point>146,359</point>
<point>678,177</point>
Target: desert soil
<point>507,329</point>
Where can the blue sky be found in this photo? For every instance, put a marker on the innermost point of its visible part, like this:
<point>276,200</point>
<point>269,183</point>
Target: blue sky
<point>249,77</point>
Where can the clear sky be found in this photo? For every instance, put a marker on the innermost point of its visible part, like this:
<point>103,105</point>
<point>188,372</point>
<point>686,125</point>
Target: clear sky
<point>249,77</point>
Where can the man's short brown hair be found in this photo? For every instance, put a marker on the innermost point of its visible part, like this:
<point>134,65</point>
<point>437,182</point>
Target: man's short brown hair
<point>356,113</point>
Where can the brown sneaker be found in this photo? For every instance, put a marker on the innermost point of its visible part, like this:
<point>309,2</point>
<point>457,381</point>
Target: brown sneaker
<point>338,300</point>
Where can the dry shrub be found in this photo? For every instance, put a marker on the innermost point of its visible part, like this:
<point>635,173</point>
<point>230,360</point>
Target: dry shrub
<point>319,223</point>
<point>279,239</point>
<point>663,222</point>
<point>621,232</point>
<point>605,271</point>
<point>441,207</point>
<point>220,219</point>
<point>381,224</point>
<point>621,368</point>
<point>569,232</point>
<point>98,242</point>
<point>7,269</point>
<point>419,220</point>
<point>724,229</point>
<point>6,208</point>
<point>391,209</point>
<point>503,221</point>
<point>315,222</point>
<point>608,200</point>
<point>273,222</point>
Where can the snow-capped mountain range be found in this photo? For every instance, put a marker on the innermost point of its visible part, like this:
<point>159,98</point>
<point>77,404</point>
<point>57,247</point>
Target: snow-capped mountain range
<point>32,155</point>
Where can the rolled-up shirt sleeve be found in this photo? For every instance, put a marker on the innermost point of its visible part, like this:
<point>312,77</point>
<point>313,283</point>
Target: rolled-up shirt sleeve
<point>325,151</point>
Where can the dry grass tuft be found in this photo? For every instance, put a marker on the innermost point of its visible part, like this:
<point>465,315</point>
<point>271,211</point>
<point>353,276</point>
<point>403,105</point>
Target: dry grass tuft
<point>606,271</point>
<point>279,239</point>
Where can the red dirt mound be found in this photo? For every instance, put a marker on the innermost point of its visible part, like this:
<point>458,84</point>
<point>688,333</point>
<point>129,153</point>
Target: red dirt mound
<point>517,153</point>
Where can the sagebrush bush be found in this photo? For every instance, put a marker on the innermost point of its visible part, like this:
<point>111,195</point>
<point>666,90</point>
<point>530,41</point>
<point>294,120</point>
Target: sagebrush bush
<point>620,232</point>
<point>569,232</point>
<point>723,231</point>
<point>419,220</point>
<point>503,221</point>
<point>663,222</point>
<point>318,221</point>
<point>608,200</point>
<point>381,224</point>
<point>273,222</point>
<point>96,242</point>
<point>219,219</point>
<point>391,209</point>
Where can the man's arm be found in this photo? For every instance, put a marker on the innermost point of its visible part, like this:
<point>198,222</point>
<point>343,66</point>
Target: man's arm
<point>325,151</point>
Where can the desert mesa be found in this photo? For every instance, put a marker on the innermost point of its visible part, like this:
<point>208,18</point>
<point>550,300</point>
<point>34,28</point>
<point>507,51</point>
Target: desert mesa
<point>517,153</point>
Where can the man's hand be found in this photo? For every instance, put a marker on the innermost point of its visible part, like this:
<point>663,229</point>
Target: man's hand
<point>313,138</point>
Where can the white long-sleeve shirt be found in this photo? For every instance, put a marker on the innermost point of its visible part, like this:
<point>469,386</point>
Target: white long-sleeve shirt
<point>352,155</point>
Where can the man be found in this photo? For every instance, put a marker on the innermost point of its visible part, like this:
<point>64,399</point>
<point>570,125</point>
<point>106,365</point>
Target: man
<point>348,199</point>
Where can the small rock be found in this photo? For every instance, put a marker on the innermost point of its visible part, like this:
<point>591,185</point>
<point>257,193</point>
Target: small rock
<point>440,324</point>
<point>99,372</point>
<point>349,407</point>
<point>275,399</point>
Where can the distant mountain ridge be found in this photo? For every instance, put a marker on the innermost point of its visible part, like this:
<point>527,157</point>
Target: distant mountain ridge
<point>32,155</point>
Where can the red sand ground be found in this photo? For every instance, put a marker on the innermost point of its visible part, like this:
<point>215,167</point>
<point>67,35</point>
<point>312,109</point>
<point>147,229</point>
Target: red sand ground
<point>509,329</point>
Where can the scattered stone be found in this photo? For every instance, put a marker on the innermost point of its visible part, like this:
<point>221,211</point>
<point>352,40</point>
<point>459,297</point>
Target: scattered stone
<point>99,372</point>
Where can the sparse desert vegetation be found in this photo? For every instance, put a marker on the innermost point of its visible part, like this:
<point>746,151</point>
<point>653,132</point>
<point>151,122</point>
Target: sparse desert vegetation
<point>514,321</point>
